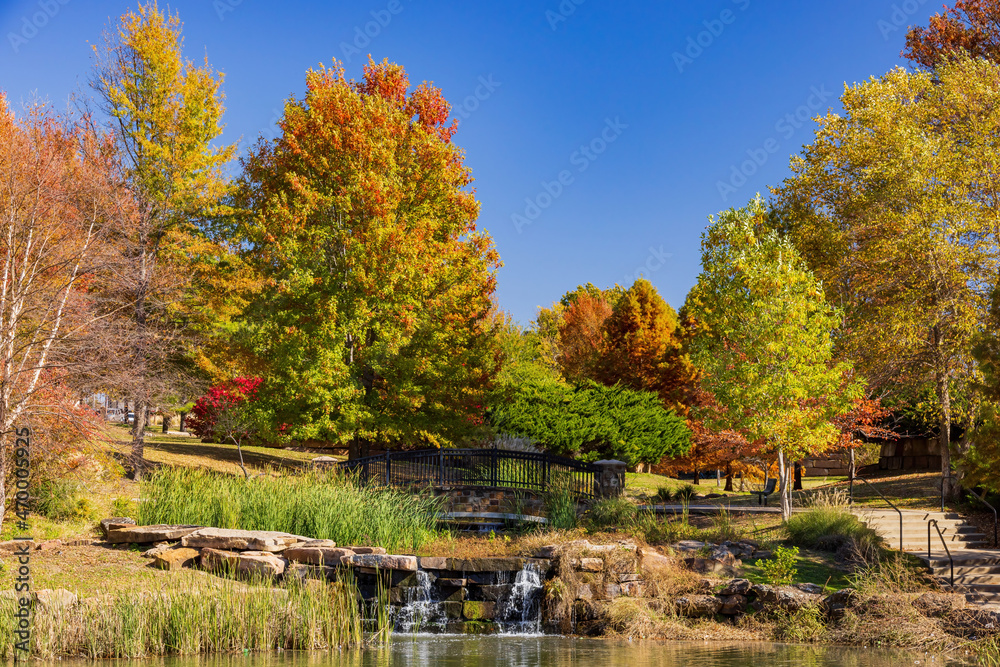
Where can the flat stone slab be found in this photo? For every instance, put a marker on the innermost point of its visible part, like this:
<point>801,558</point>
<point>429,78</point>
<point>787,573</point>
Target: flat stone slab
<point>228,539</point>
<point>329,556</point>
<point>175,559</point>
<point>433,563</point>
<point>262,563</point>
<point>367,550</point>
<point>149,534</point>
<point>497,564</point>
<point>383,562</point>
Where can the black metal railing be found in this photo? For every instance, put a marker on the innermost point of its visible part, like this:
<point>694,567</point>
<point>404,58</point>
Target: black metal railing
<point>951,561</point>
<point>891,504</point>
<point>980,498</point>
<point>499,468</point>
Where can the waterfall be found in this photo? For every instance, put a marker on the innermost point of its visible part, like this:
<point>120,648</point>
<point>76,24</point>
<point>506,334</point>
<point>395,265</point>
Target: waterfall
<point>420,609</point>
<point>520,612</point>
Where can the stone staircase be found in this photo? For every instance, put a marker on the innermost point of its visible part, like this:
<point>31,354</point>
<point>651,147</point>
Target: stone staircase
<point>977,566</point>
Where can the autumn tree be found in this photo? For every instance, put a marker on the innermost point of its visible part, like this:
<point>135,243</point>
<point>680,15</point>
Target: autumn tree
<point>166,116</point>
<point>894,207</point>
<point>582,337</point>
<point>59,206</point>
<point>374,320</point>
<point>643,347</point>
<point>970,28</point>
<point>765,342</point>
<point>862,423</point>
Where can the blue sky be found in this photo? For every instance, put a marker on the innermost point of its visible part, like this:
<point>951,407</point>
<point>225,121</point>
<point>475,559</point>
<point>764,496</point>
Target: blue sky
<point>601,133</point>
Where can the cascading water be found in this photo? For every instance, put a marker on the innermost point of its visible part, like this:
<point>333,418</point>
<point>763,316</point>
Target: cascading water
<point>520,612</point>
<point>421,609</point>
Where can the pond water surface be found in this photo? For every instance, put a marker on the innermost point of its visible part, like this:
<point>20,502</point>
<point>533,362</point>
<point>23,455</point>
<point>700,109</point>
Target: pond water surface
<point>522,651</point>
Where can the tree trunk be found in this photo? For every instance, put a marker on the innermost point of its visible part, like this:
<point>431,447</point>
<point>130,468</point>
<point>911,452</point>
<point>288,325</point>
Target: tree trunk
<point>783,487</point>
<point>797,486</point>
<point>166,424</point>
<point>944,434</point>
<point>852,470</point>
<point>183,417</point>
<point>139,439</point>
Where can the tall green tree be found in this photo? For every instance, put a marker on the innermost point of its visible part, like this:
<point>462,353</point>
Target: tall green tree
<point>165,114</point>
<point>764,341</point>
<point>375,318</point>
<point>895,207</point>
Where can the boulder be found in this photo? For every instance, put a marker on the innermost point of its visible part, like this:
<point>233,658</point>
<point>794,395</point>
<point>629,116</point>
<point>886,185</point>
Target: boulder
<point>159,548</point>
<point>590,565</point>
<point>262,563</point>
<point>651,560</point>
<point>115,522</point>
<point>383,562</point>
<point>733,605</point>
<point>303,572</point>
<point>329,556</point>
<point>367,550</point>
<point>478,611</point>
<point>175,559</point>
<point>149,534</point>
<point>632,589</point>
<point>812,589</point>
<point>228,539</point>
<point>59,598</point>
<point>837,603</point>
<point>736,587</point>
<point>698,606</point>
<point>433,563</point>
<point>788,598</point>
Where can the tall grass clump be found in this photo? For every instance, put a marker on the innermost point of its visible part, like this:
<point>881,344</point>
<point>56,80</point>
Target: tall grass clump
<point>322,505</point>
<point>830,527</point>
<point>612,513</point>
<point>195,617</point>
<point>560,508</point>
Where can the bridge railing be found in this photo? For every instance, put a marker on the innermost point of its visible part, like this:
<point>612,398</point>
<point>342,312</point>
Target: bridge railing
<point>498,468</point>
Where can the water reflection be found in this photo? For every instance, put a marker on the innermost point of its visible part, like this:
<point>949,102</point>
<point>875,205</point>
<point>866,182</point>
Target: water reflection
<point>512,651</point>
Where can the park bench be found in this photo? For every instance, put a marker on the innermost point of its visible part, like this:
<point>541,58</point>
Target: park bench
<point>768,490</point>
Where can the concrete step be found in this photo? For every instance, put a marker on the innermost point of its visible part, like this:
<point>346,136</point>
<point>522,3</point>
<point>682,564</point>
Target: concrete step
<point>920,546</point>
<point>965,571</point>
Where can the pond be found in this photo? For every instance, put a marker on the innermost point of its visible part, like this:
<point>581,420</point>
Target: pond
<point>542,651</point>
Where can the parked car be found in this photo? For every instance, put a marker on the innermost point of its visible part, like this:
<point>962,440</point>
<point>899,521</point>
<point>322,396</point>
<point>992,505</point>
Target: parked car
<point>130,418</point>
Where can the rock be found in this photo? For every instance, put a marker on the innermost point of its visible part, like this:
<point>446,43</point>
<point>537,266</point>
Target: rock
<point>761,555</point>
<point>478,611</point>
<point>497,564</point>
<point>149,534</point>
<point>626,578</point>
<point>433,563</point>
<point>632,589</point>
<point>304,572</point>
<point>584,592</point>
<point>115,522</point>
<point>583,546</point>
<point>698,606</point>
<point>837,603</point>
<point>591,565</point>
<point>159,548</point>
<point>49,545</point>
<point>367,550</point>
<point>651,560</point>
<point>175,559</point>
<point>329,556</point>
<point>384,562</point>
<point>445,582</point>
<point>59,598</point>
<point>812,589</point>
<point>14,546</point>
<point>704,565</point>
<point>788,598</point>
<point>317,543</point>
<point>939,604</point>
<point>733,605</point>
<point>243,563</point>
<point>493,593</point>
<point>228,539</point>
<point>612,591</point>
<point>736,587</point>
<point>689,545</point>
<point>324,462</point>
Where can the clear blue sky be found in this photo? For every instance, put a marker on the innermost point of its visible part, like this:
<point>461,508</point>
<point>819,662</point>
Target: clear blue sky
<point>662,130</point>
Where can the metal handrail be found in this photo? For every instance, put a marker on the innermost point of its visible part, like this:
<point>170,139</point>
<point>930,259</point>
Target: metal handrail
<point>982,499</point>
<point>994,510</point>
<point>951,561</point>
<point>862,479</point>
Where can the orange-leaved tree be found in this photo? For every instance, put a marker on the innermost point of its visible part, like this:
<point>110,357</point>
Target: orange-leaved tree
<point>971,27</point>
<point>374,322</point>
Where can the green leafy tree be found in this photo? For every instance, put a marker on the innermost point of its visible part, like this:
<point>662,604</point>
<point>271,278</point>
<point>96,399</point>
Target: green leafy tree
<point>375,318</point>
<point>765,341</point>
<point>894,207</point>
<point>592,421</point>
